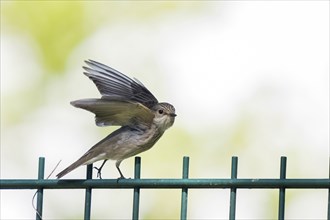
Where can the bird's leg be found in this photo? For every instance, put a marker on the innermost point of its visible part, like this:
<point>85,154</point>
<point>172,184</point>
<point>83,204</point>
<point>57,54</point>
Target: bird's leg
<point>117,166</point>
<point>99,170</point>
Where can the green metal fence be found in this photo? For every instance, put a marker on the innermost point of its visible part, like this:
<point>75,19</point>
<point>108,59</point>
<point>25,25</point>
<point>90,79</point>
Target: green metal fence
<point>185,184</point>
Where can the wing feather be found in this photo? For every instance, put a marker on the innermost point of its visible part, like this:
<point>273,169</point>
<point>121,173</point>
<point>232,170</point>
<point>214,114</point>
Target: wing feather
<point>113,84</point>
<point>116,112</point>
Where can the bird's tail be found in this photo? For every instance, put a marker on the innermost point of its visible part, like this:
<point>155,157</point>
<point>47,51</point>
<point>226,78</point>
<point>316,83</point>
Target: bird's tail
<point>70,168</point>
<point>89,157</point>
<point>94,154</point>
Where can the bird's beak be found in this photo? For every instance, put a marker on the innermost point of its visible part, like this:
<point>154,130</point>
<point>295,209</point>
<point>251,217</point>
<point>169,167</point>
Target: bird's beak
<point>172,115</point>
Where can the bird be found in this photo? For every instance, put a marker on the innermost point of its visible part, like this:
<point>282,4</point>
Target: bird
<point>127,103</point>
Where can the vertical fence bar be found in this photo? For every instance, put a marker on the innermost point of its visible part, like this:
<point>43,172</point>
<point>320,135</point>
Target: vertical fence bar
<point>40,192</point>
<point>232,207</point>
<point>328,203</point>
<point>184,194</point>
<point>329,194</point>
<point>282,190</point>
<point>136,195</point>
<point>88,193</point>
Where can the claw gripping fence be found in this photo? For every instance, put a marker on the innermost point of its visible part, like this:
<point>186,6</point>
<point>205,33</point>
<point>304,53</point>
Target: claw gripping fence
<point>185,183</point>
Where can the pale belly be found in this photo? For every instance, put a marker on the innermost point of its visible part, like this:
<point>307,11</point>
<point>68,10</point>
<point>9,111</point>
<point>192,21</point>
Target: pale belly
<point>124,143</point>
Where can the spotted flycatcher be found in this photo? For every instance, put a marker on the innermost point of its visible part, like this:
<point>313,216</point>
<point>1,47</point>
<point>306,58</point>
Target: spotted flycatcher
<point>127,103</point>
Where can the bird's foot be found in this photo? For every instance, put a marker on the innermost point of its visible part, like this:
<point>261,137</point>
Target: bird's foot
<point>122,178</point>
<point>98,175</point>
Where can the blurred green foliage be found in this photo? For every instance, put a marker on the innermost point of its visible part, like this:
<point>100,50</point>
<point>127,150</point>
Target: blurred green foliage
<point>56,27</point>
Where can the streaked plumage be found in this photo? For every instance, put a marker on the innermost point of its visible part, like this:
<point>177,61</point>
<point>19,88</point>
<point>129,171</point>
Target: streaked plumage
<point>127,103</point>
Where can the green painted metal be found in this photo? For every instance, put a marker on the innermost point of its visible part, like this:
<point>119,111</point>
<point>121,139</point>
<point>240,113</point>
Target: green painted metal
<point>164,183</point>
<point>40,192</point>
<point>328,217</point>
<point>184,194</point>
<point>185,183</point>
<point>282,190</point>
<point>328,203</point>
<point>136,195</point>
<point>232,206</point>
<point>88,193</point>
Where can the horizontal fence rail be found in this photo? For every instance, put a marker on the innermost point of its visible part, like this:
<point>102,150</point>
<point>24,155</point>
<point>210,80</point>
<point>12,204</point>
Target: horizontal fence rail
<point>166,183</point>
<point>186,183</point>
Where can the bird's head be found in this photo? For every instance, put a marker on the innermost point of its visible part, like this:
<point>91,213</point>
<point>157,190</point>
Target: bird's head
<point>164,115</point>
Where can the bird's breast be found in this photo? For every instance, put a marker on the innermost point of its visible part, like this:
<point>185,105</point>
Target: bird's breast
<point>148,137</point>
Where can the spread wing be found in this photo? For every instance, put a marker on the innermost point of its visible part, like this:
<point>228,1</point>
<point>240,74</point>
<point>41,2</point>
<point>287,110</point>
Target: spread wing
<point>114,85</point>
<point>113,112</point>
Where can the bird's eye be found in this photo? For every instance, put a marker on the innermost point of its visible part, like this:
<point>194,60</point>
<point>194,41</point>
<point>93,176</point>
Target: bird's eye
<point>160,111</point>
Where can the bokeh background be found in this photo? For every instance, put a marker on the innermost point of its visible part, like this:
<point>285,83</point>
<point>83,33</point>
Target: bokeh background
<point>248,79</point>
